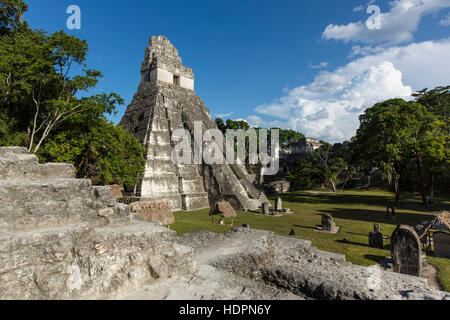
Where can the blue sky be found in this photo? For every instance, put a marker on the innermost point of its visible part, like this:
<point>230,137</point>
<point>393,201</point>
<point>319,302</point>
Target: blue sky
<point>308,65</point>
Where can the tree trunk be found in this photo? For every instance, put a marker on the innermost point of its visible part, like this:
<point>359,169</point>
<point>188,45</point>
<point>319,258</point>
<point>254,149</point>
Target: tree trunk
<point>420,175</point>
<point>432,190</point>
<point>333,184</point>
<point>397,190</point>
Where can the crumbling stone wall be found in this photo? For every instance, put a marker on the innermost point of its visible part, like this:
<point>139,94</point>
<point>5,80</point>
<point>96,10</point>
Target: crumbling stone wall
<point>61,238</point>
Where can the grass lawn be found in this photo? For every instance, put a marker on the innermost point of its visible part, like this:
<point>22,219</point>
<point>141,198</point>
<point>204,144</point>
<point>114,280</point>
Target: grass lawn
<point>354,211</point>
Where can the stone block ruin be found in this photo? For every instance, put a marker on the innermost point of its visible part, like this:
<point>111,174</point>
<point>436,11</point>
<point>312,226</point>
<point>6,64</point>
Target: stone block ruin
<point>166,101</point>
<point>62,238</point>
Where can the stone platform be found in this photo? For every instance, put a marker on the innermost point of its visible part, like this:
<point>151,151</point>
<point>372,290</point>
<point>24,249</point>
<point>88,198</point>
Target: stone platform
<point>62,238</point>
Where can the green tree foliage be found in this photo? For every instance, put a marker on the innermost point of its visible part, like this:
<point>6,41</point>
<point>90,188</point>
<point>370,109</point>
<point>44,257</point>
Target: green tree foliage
<point>37,87</point>
<point>287,137</point>
<point>8,135</point>
<point>322,166</point>
<point>436,144</point>
<point>395,132</point>
<point>436,101</point>
<point>306,174</point>
<point>97,148</point>
<point>221,125</point>
<point>11,12</point>
<point>329,164</point>
<point>41,105</point>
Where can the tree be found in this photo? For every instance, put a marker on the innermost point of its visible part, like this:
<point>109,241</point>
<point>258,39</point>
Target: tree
<point>287,137</point>
<point>436,101</point>
<point>8,135</point>
<point>380,138</point>
<point>97,148</point>
<point>237,125</point>
<point>330,166</point>
<point>320,167</point>
<point>41,108</point>
<point>394,132</point>
<point>11,12</point>
<point>436,145</point>
<point>36,86</point>
<point>221,125</point>
<point>305,175</point>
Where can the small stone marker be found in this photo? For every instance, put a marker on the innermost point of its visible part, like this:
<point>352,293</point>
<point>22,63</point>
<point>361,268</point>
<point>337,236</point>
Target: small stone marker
<point>441,242</point>
<point>265,208</point>
<point>376,237</point>
<point>328,225</point>
<point>406,251</point>
<point>279,205</point>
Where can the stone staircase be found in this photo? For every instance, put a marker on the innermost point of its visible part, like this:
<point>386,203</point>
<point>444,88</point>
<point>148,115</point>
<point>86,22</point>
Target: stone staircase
<point>62,238</point>
<point>254,204</point>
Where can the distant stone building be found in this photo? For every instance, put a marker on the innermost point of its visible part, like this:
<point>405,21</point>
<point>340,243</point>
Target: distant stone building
<point>289,156</point>
<point>166,101</point>
<point>305,146</point>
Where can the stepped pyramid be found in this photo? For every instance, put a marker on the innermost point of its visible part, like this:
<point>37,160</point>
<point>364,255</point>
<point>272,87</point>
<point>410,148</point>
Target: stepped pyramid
<point>166,101</point>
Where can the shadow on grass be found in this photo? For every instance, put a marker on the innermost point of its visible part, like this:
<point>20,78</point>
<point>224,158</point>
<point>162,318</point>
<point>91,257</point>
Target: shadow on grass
<point>338,198</point>
<point>305,227</point>
<point>409,201</point>
<point>352,243</point>
<point>373,257</point>
<point>375,216</point>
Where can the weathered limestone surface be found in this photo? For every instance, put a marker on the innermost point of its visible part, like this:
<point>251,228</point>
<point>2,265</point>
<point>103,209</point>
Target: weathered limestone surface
<point>161,106</point>
<point>17,163</point>
<point>61,238</point>
<point>254,264</point>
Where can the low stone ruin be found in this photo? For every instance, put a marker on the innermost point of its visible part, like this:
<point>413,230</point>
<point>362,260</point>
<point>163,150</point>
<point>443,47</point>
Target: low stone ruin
<point>154,210</point>
<point>62,238</point>
<point>223,209</point>
<point>406,251</point>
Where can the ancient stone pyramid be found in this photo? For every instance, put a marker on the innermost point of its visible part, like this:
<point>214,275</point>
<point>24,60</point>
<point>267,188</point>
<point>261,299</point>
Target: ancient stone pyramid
<point>166,101</point>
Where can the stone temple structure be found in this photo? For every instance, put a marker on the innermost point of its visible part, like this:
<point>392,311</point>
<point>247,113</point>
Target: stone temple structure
<point>166,101</point>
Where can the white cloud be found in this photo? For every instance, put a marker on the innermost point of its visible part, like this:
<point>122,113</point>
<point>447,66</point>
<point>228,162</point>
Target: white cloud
<point>223,115</point>
<point>445,21</point>
<point>319,66</point>
<point>397,25</point>
<point>328,108</point>
<point>256,121</point>
<point>358,8</point>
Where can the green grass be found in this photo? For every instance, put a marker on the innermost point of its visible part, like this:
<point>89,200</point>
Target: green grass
<point>354,211</point>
